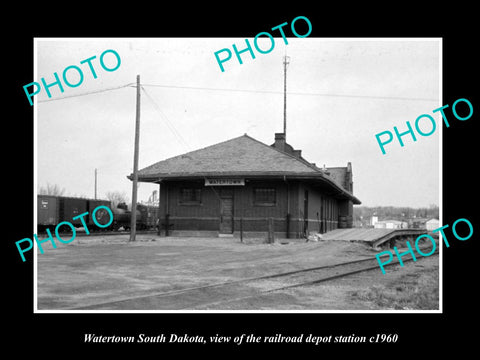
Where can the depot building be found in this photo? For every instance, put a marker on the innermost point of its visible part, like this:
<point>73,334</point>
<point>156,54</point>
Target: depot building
<point>243,184</point>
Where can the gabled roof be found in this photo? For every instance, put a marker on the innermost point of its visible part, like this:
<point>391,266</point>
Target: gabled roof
<point>240,156</point>
<point>338,174</point>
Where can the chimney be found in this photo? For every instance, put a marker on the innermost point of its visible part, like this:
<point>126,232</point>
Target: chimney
<point>349,177</point>
<point>280,141</point>
<point>325,170</point>
<point>297,153</point>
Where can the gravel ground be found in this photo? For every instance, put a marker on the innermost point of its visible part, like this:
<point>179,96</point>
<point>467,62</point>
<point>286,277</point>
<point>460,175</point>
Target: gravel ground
<point>102,269</point>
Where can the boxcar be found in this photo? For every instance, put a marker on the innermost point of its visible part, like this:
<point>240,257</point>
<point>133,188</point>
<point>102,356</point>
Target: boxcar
<point>47,211</point>
<point>70,207</point>
<point>101,215</point>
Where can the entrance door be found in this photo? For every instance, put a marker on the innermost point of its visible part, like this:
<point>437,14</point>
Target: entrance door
<point>226,211</point>
<point>322,217</point>
<point>305,213</point>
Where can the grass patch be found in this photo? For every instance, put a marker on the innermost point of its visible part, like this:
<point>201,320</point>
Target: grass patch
<point>409,292</point>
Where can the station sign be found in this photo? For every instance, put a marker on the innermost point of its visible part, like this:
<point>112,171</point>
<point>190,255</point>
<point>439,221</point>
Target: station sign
<point>224,182</point>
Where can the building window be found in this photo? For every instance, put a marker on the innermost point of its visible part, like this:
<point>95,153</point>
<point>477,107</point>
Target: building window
<point>190,196</point>
<point>264,196</point>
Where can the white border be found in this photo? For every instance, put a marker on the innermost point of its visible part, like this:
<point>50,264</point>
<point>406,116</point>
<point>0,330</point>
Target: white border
<point>35,181</point>
<point>35,143</point>
<point>440,178</point>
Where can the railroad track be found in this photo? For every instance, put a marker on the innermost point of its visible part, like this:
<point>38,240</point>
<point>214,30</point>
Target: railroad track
<point>218,293</point>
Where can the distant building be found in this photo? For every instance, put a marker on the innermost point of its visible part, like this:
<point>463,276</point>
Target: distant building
<point>391,224</point>
<point>242,182</point>
<point>432,224</point>
<point>424,223</point>
<point>418,223</point>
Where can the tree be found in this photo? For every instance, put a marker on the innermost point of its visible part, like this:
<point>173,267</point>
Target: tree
<point>116,197</point>
<point>51,190</point>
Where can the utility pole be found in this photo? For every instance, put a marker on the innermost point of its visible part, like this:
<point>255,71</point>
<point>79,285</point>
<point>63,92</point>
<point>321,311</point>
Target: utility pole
<point>95,183</point>
<point>133,221</point>
<point>285,63</point>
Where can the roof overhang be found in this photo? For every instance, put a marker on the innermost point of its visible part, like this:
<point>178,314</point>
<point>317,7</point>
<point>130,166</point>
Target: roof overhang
<point>315,178</point>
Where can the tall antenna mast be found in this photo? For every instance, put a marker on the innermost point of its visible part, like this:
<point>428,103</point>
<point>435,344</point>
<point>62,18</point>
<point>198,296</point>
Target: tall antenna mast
<point>285,63</point>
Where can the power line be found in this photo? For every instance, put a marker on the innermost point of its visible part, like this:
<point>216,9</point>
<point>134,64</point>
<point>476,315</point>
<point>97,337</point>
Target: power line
<point>245,91</point>
<point>212,89</point>
<point>167,121</point>
<point>86,93</point>
<point>174,131</point>
<point>292,93</point>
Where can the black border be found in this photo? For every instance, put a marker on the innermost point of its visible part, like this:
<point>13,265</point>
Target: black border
<point>426,333</point>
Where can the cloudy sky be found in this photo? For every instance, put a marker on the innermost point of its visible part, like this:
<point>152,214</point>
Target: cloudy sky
<point>341,92</point>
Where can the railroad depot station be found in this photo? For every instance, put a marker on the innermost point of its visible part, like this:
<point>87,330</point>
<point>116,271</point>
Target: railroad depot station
<point>245,185</point>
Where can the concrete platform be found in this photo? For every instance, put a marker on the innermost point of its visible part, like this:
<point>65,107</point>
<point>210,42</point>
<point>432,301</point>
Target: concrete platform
<point>356,234</point>
<point>375,237</point>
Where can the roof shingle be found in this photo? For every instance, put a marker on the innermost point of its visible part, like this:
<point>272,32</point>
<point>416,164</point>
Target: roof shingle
<point>239,155</point>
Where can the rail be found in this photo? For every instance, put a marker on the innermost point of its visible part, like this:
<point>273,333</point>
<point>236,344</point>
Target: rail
<point>252,287</point>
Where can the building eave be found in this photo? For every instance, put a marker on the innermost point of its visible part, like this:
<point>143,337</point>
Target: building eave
<point>307,176</point>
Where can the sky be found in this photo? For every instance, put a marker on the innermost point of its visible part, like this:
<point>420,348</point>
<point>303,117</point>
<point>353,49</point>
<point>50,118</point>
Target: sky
<point>340,93</point>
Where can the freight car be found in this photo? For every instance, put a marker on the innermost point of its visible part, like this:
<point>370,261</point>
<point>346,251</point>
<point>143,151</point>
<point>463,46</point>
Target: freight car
<point>150,216</point>
<point>52,210</point>
<point>122,217</point>
<point>147,217</point>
